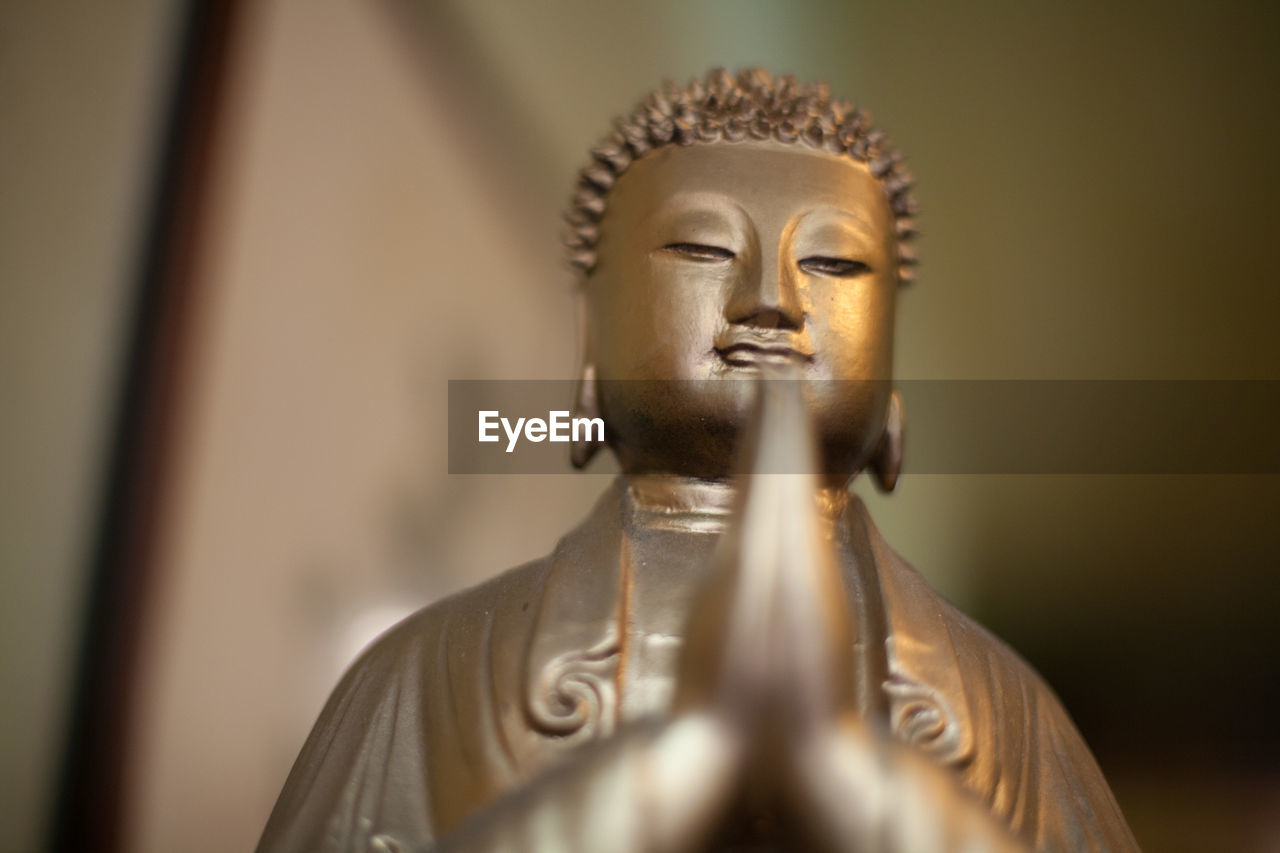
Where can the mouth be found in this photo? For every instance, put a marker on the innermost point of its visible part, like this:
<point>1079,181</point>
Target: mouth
<point>746,354</point>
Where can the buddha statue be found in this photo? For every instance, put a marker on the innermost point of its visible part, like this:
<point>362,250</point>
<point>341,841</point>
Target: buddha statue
<point>725,653</point>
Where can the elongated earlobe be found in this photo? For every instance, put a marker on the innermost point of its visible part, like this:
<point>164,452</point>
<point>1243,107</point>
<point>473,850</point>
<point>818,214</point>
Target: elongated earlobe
<point>886,463</point>
<point>585,405</point>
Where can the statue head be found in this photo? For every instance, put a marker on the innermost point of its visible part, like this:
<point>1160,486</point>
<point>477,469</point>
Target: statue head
<point>736,222</point>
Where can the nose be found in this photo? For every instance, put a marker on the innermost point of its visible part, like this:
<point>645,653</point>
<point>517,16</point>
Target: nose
<point>767,294</point>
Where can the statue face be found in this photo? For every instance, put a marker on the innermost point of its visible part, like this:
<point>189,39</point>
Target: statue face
<point>715,259</point>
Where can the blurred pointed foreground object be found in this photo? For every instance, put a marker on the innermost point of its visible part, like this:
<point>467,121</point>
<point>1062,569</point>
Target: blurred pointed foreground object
<point>771,634</point>
<point>770,654</point>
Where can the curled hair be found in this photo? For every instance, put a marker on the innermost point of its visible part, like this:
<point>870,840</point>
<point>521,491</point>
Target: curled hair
<point>754,105</point>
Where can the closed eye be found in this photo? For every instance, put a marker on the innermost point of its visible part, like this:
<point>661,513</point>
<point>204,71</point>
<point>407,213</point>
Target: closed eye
<point>833,267</point>
<point>700,251</point>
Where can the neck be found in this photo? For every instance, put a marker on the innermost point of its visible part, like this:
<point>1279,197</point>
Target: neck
<point>676,502</point>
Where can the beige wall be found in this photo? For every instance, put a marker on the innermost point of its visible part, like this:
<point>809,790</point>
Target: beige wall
<point>81,98</point>
<point>358,262</point>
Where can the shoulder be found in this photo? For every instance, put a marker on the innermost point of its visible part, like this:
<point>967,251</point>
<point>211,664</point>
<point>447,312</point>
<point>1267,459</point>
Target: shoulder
<point>930,622</point>
<point>976,644</point>
<point>1037,770</point>
<point>1014,742</point>
<point>365,763</point>
<point>991,669</point>
<point>512,595</point>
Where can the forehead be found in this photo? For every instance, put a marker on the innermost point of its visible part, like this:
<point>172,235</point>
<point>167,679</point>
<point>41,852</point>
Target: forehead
<point>768,181</point>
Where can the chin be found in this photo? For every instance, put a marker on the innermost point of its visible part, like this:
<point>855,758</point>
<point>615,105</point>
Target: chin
<point>694,428</point>
<point>685,427</point>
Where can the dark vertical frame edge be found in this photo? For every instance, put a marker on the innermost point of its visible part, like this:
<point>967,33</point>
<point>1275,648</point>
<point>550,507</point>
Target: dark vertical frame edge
<point>89,800</point>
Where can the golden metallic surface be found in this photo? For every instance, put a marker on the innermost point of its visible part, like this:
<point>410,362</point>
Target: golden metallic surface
<point>725,653</point>
<point>717,258</point>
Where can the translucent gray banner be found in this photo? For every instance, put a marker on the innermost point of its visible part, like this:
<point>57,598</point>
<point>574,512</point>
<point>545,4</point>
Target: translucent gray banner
<point>953,427</point>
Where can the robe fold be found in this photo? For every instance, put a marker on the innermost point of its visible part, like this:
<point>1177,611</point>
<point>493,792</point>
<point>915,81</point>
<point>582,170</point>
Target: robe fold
<point>477,694</point>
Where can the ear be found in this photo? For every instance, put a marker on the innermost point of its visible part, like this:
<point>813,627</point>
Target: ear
<point>585,405</point>
<point>886,462</point>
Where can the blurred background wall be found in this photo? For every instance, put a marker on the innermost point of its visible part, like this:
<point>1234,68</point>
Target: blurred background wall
<point>1098,187</point>
<point>82,88</point>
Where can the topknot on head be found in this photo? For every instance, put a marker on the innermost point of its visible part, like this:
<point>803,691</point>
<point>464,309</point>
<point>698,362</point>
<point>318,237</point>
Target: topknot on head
<point>723,107</point>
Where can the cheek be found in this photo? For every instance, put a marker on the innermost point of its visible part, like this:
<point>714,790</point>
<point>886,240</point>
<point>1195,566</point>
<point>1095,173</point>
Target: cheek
<point>684,315</point>
<point>853,327</point>
<point>652,325</point>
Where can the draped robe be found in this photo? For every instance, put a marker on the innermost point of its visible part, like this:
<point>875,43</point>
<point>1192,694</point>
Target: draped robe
<point>476,695</point>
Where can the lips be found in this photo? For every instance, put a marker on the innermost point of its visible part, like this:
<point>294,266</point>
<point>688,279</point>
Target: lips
<point>749,353</point>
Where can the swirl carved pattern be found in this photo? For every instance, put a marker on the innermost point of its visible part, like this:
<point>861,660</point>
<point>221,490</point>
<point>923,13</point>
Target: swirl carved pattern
<point>575,695</point>
<point>919,715</point>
